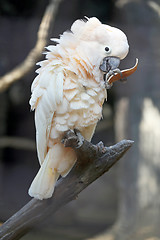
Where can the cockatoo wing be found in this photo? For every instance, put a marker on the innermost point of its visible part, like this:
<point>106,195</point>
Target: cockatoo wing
<point>47,93</point>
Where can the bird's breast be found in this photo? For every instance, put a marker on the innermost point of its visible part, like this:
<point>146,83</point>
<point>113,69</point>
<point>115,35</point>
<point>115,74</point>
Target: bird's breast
<point>81,106</point>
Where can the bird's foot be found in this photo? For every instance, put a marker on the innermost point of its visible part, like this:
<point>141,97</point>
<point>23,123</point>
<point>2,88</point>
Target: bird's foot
<point>112,72</point>
<point>72,138</point>
<point>101,148</point>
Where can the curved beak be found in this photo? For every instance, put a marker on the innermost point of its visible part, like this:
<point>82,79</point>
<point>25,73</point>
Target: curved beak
<point>111,71</point>
<point>109,63</point>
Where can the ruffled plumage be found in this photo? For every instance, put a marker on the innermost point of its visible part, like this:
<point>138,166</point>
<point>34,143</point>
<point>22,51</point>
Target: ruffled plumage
<point>68,93</point>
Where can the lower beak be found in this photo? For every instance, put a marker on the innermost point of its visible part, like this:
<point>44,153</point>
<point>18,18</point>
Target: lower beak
<point>111,71</point>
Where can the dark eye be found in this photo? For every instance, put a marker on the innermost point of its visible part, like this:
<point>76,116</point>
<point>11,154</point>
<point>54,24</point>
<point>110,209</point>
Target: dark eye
<point>107,49</point>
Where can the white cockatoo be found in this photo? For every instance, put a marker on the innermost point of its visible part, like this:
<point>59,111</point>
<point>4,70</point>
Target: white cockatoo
<point>69,92</point>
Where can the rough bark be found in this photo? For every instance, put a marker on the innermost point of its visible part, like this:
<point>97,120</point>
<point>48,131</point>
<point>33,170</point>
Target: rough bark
<point>93,161</point>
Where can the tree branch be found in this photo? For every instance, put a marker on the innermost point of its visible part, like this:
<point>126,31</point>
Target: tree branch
<point>17,143</point>
<point>93,161</point>
<point>22,69</point>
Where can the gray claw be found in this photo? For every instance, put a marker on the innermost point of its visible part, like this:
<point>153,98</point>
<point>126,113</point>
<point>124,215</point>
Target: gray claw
<point>101,148</point>
<point>117,70</point>
<point>108,85</point>
<point>110,73</point>
<point>72,139</point>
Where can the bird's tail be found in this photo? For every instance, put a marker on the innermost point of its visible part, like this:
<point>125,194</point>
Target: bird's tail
<point>58,161</point>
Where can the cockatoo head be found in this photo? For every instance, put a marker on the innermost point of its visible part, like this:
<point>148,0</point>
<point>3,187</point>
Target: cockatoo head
<point>102,39</point>
<point>103,45</point>
<point>99,46</point>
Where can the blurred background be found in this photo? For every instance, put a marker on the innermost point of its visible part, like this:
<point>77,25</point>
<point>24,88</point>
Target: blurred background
<point>123,204</point>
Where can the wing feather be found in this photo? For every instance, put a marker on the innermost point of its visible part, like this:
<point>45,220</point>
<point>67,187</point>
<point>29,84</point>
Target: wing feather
<point>47,93</point>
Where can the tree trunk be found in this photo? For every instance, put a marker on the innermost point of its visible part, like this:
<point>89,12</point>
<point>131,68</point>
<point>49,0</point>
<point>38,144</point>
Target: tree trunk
<point>138,118</point>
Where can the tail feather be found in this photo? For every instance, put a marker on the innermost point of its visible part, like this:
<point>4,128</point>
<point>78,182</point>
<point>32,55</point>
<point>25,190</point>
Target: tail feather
<point>58,161</point>
<point>43,184</point>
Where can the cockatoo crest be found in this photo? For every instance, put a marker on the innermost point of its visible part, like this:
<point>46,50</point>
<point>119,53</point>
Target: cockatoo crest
<point>92,37</point>
<point>83,29</point>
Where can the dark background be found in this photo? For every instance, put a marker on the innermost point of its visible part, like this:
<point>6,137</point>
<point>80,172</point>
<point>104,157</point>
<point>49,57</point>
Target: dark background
<point>96,209</point>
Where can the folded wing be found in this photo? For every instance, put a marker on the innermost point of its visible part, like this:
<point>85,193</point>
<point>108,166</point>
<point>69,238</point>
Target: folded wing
<point>47,93</point>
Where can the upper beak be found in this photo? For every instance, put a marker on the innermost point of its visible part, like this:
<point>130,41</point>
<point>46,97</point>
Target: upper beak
<point>109,63</point>
<point>112,73</point>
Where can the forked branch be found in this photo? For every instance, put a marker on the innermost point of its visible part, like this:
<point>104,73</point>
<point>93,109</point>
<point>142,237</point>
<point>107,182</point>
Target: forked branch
<point>93,161</point>
<point>22,69</point>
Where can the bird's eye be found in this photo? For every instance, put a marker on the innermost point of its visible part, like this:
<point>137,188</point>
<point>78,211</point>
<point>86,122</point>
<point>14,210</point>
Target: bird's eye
<point>107,49</point>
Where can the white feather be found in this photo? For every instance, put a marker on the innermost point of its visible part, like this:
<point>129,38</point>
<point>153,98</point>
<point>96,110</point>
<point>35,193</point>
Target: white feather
<point>78,105</point>
<point>71,94</point>
<point>85,96</point>
<point>51,48</point>
<point>56,40</point>
<point>60,120</point>
<point>44,182</point>
<point>61,128</point>
<point>91,92</point>
<point>48,94</point>
<point>69,86</point>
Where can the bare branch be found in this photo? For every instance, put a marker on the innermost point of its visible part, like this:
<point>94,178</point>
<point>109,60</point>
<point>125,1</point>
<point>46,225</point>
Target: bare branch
<point>154,6</point>
<point>17,143</point>
<point>22,69</point>
<point>93,161</point>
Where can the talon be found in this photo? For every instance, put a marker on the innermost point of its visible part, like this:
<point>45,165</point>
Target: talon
<point>101,148</point>
<point>72,138</point>
<point>106,77</point>
<point>109,75</point>
<point>68,138</point>
<point>76,131</point>
<point>100,144</point>
<point>80,138</point>
<point>117,70</point>
<point>108,85</point>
